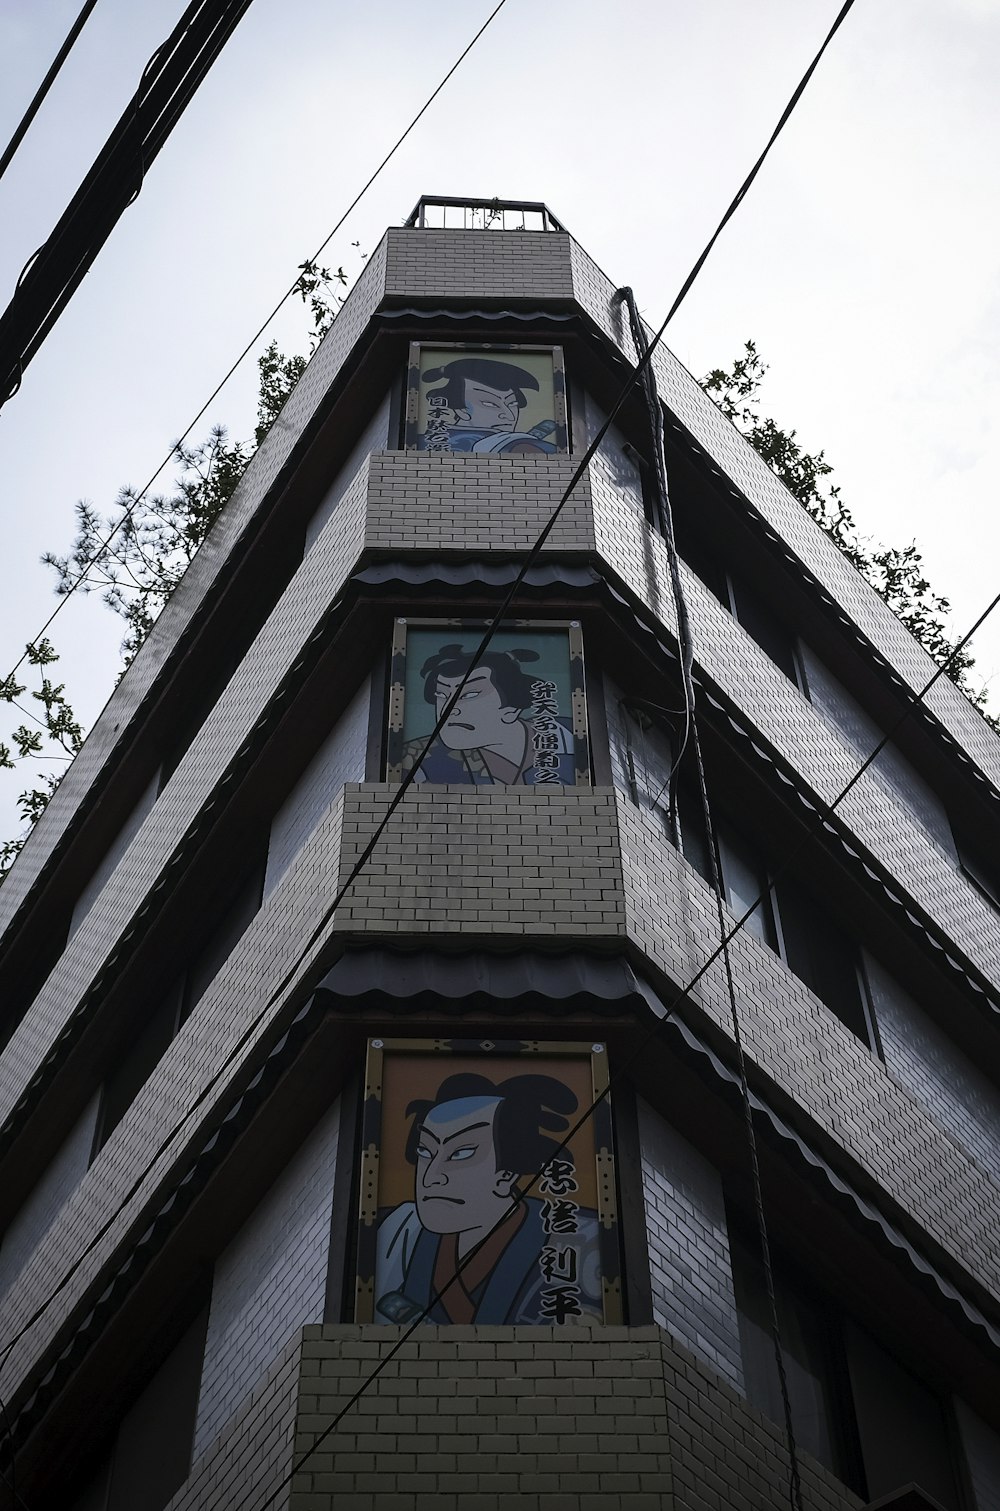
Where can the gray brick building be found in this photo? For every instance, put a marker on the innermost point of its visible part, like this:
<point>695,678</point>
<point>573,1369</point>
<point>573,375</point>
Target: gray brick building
<point>216,1100</point>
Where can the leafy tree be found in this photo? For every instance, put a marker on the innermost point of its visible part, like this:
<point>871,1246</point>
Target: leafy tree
<point>137,555</point>
<point>50,733</point>
<point>895,572</point>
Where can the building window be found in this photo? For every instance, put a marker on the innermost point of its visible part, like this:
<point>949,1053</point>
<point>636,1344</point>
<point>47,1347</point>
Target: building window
<point>822,1413</point>
<point>150,1456</point>
<point>743,873</point>
<point>490,401</point>
<point>854,1406</point>
<point>983,874</point>
<point>764,626</point>
<point>647,758</point>
<point>787,919</point>
<point>825,958</point>
<point>159,1027</point>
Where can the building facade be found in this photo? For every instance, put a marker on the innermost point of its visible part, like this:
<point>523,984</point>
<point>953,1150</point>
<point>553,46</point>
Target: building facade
<point>248,1139</point>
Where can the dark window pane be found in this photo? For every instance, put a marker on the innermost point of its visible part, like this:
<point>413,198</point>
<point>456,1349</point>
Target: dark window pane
<point>901,1425</point>
<point>814,1388</point>
<point>746,880</point>
<point>823,957</point>
<point>137,1064</point>
<point>704,564</point>
<point>153,1451</point>
<point>984,876</point>
<point>94,1497</point>
<point>224,938</point>
<point>768,631</point>
<point>694,842</point>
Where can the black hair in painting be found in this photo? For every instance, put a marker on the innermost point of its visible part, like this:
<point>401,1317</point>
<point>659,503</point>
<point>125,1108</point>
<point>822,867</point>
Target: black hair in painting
<point>529,1104</point>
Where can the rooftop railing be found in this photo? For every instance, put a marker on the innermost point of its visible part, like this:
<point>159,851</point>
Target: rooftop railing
<point>440,212</point>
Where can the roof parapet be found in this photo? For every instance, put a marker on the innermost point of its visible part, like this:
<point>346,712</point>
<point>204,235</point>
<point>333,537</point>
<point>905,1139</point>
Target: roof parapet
<point>444,212</point>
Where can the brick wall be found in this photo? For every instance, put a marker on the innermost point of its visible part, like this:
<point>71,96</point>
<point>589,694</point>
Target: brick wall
<point>537,1419</point>
<point>729,455</point>
<point>114,853</point>
<point>585,863</point>
<point>468,504</point>
<point>247,694</point>
<point>113,726</point>
<point>450,265</point>
<point>484,860</point>
<point>690,1268</point>
<point>862,733</point>
<point>231,1006</point>
<point>252,1456</point>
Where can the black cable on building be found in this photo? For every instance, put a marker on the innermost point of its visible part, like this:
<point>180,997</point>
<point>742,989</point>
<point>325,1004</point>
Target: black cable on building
<point>686,646</point>
<point>45,86</point>
<point>401,790</point>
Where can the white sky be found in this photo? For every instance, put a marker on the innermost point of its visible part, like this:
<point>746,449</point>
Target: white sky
<point>863,262</point>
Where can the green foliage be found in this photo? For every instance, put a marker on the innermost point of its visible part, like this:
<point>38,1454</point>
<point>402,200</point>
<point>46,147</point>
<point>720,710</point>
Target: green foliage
<point>896,573</point>
<point>56,736</point>
<point>135,556</point>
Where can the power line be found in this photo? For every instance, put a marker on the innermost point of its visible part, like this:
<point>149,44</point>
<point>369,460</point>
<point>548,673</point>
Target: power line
<point>641,367</point>
<point>53,273</point>
<point>45,86</point>
<point>727,937</point>
<point>635,1055</point>
<point>289,976</point>
<point>134,503</point>
<point>410,776</point>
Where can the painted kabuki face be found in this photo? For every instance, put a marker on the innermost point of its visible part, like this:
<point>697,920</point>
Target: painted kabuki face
<point>458,1184</point>
<point>479,719</point>
<point>488,408</point>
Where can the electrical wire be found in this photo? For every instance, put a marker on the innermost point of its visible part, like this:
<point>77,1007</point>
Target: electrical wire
<point>45,86</point>
<point>248,348</point>
<point>410,776</point>
<point>686,645</point>
<point>397,798</point>
<point>53,273</point>
<point>637,1053</point>
<point>727,936</point>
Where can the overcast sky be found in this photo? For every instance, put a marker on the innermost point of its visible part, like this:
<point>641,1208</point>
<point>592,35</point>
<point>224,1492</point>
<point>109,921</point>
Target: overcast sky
<point>863,263</point>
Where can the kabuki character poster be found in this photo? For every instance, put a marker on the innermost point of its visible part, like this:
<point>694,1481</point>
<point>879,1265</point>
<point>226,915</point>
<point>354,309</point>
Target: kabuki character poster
<point>486,400</point>
<point>515,717</point>
<point>487,1184</point>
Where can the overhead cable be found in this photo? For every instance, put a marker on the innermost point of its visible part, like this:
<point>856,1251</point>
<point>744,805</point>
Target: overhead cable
<point>685,641</point>
<point>45,86</point>
<point>818,823</point>
<point>400,792</point>
<point>51,275</point>
<point>134,502</point>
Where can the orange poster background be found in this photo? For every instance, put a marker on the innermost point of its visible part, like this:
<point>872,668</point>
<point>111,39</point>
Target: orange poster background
<point>407,1075</point>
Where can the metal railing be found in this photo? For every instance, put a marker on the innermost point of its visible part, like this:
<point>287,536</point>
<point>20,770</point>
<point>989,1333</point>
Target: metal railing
<point>442,212</point>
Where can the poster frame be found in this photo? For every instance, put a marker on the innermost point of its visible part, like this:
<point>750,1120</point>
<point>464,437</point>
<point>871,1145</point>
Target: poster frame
<point>535,1052</point>
<point>559,438</point>
<point>396,740</point>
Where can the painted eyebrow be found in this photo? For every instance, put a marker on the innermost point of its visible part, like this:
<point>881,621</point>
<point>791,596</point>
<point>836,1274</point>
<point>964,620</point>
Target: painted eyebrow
<point>469,1128</point>
<point>476,675</point>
